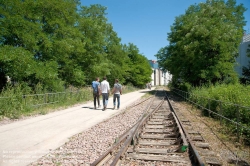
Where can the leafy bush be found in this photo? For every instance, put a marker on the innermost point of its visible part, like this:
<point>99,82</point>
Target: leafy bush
<point>229,100</point>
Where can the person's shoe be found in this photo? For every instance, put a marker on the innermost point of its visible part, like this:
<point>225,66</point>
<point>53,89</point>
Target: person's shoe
<point>104,108</point>
<point>118,108</point>
<point>99,106</point>
<point>113,107</point>
<point>95,107</point>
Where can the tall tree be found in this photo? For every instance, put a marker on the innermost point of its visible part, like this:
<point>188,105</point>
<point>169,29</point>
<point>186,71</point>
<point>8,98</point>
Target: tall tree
<point>162,57</point>
<point>140,69</point>
<point>204,42</point>
<point>57,43</point>
<point>38,32</point>
<point>62,42</point>
<point>93,25</point>
<point>118,59</point>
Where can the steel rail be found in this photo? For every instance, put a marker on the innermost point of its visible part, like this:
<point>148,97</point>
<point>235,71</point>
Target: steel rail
<point>132,133</point>
<point>196,154</point>
<point>131,136</point>
<point>143,121</point>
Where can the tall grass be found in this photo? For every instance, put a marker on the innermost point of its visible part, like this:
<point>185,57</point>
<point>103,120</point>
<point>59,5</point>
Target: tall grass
<point>21,100</point>
<point>229,101</point>
<point>237,93</point>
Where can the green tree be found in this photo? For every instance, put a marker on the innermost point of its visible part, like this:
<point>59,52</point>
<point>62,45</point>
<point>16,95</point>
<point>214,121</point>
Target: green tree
<point>140,69</point>
<point>62,40</point>
<point>118,59</point>
<point>57,43</point>
<point>93,25</point>
<point>204,42</point>
<point>162,57</point>
<point>33,31</point>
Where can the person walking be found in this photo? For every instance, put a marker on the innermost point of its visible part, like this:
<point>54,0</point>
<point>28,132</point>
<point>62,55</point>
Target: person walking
<point>105,89</point>
<point>96,92</point>
<point>117,91</point>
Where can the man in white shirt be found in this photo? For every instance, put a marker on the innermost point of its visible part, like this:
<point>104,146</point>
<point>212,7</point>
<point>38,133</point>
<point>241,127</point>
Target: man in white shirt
<point>105,88</point>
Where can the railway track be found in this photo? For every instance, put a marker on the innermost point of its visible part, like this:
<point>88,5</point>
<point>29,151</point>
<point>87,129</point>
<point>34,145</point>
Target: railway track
<point>198,144</point>
<point>158,138</point>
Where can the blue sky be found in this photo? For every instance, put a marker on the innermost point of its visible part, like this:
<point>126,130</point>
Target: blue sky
<point>145,23</point>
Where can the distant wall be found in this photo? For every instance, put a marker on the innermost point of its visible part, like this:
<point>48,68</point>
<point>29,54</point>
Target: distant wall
<point>159,77</point>
<point>242,59</point>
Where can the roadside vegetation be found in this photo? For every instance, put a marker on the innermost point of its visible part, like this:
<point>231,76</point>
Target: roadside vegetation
<point>201,56</point>
<point>51,51</point>
<point>58,44</point>
<point>20,101</point>
<point>231,101</point>
<point>232,93</point>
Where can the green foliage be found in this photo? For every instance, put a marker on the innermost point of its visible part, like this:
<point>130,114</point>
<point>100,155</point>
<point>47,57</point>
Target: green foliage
<point>21,100</point>
<point>119,63</point>
<point>140,70</point>
<point>16,62</point>
<point>234,93</point>
<point>93,25</point>
<point>59,43</point>
<point>231,101</point>
<point>162,56</point>
<point>204,43</point>
<point>11,101</point>
<point>48,46</point>
<point>185,86</point>
<point>37,37</point>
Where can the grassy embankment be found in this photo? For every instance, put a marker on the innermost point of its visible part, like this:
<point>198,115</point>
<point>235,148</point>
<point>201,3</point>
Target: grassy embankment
<point>230,101</point>
<point>19,101</point>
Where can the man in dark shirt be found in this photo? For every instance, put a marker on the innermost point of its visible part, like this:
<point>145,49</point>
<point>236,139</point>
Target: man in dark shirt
<point>96,92</point>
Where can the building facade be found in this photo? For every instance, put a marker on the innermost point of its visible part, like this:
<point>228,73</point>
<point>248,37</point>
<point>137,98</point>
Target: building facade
<point>158,76</point>
<point>243,59</point>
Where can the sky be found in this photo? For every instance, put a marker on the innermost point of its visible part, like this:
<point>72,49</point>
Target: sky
<point>146,23</point>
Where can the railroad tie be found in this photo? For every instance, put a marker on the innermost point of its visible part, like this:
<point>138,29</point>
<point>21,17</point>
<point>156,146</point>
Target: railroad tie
<point>213,161</point>
<point>197,138</point>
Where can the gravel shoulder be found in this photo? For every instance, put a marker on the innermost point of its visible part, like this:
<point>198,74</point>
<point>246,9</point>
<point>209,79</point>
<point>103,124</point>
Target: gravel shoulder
<point>85,147</point>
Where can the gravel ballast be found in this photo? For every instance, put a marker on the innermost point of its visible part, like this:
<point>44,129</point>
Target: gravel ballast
<point>84,148</point>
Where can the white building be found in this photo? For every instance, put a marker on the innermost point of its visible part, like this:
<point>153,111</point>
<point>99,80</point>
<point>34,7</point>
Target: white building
<point>158,76</point>
<point>242,59</point>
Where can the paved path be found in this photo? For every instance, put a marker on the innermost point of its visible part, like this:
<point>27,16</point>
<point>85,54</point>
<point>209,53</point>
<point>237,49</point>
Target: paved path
<point>25,141</point>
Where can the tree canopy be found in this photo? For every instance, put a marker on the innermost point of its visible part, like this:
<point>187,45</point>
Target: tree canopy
<point>61,43</point>
<point>203,43</point>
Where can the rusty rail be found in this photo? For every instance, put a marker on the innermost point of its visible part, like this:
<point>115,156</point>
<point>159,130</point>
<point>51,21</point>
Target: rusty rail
<point>131,136</point>
<point>123,137</point>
